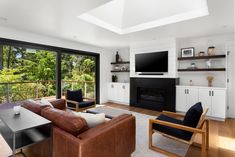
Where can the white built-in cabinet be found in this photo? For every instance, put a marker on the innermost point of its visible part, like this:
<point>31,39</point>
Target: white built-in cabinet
<point>119,92</point>
<point>213,98</point>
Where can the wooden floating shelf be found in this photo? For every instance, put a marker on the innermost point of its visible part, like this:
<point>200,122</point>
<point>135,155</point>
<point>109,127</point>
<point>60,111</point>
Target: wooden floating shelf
<point>120,71</point>
<point>202,57</point>
<point>211,69</point>
<point>124,62</point>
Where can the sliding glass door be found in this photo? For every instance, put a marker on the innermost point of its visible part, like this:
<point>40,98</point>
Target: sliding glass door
<point>78,72</point>
<point>26,73</point>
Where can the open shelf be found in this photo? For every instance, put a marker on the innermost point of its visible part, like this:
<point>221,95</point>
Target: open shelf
<point>120,71</point>
<point>202,57</point>
<point>211,69</point>
<point>124,62</point>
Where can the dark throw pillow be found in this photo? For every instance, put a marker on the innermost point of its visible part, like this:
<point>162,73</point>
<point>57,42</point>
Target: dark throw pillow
<point>75,95</point>
<point>193,115</point>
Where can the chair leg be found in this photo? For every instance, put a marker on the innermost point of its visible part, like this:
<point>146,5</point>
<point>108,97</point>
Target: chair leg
<point>203,151</point>
<point>150,135</point>
<point>207,134</point>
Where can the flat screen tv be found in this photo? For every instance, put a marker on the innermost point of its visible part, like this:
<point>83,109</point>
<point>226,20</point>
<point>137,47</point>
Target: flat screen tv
<point>154,62</point>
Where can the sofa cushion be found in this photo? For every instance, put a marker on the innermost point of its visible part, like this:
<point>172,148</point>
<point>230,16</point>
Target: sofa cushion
<point>59,103</point>
<point>92,119</point>
<point>75,95</point>
<point>34,106</point>
<point>66,120</point>
<point>86,104</point>
<point>193,115</point>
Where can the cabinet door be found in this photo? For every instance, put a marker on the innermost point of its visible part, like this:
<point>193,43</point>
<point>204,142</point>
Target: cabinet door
<point>218,103</point>
<point>111,91</point>
<point>192,97</point>
<point>126,93</point>
<point>204,96</point>
<point>119,92</point>
<point>181,99</point>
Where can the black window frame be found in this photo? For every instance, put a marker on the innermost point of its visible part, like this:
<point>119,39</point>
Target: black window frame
<point>59,51</point>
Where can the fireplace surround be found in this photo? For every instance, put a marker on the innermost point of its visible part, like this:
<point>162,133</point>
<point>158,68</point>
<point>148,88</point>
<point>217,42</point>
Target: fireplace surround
<point>154,93</point>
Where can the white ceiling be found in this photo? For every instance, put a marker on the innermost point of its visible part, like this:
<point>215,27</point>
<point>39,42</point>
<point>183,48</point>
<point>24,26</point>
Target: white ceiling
<point>128,16</point>
<point>59,18</point>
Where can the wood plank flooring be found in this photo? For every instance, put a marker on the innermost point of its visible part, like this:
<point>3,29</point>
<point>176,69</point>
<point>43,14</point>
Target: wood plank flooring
<point>222,135</point>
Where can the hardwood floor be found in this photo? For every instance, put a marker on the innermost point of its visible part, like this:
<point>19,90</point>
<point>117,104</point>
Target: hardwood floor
<point>222,134</point>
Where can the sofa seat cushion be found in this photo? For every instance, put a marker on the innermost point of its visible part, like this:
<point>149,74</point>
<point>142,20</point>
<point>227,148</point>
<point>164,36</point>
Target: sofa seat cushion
<point>171,131</point>
<point>86,104</point>
<point>34,106</point>
<point>65,120</point>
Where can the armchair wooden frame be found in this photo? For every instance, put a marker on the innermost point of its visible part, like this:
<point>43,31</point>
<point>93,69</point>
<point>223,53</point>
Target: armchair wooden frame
<point>202,129</point>
<point>76,108</point>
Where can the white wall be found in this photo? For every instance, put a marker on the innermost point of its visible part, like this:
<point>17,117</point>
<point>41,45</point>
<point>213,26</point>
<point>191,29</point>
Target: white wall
<point>201,44</point>
<point>155,46</point>
<point>105,55</point>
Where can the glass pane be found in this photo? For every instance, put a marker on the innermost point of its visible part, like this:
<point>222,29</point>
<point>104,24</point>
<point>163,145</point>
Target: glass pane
<point>78,72</point>
<point>26,73</point>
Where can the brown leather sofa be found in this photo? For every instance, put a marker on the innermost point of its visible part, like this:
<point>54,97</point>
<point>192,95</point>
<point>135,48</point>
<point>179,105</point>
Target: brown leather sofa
<point>115,138</point>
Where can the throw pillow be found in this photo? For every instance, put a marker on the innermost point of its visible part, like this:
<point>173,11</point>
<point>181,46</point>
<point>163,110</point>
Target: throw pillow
<point>92,119</point>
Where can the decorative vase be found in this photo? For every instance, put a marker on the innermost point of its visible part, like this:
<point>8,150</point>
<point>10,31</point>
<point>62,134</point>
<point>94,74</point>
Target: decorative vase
<point>117,57</point>
<point>210,79</point>
<point>211,51</point>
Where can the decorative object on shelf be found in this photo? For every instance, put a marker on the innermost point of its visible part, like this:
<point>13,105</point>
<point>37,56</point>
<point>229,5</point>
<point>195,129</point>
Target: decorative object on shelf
<point>123,68</point>
<point>120,59</point>
<point>114,78</point>
<point>211,51</point>
<point>208,63</point>
<point>201,53</point>
<point>191,82</point>
<point>117,57</point>
<point>192,66</point>
<point>116,67</point>
<point>187,52</point>
<point>210,79</point>
<point>17,109</point>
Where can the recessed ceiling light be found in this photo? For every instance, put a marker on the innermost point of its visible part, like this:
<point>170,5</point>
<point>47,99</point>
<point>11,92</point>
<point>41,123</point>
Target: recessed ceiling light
<point>3,19</point>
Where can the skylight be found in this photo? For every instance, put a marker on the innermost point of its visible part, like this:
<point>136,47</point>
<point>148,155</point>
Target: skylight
<point>127,16</point>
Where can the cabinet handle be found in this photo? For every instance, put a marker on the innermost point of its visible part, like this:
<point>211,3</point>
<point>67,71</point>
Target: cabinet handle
<point>187,91</point>
<point>212,93</point>
<point>123,87</point>
<point>209,93</point>
<point>111,85</point>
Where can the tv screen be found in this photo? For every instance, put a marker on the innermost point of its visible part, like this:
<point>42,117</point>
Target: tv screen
<point>155,62</point>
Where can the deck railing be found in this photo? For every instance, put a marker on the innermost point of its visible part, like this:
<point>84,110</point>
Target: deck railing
<point>16,91</point>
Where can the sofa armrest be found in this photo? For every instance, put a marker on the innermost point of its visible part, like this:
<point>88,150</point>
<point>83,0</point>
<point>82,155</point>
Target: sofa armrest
<point>115,138</point>
<point>59,104</point>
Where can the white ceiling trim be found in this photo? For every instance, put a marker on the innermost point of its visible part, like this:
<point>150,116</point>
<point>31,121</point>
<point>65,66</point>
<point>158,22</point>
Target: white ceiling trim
<point>168,20</point>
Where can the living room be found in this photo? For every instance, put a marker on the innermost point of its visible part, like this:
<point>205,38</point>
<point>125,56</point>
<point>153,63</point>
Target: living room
<point>117,78</point>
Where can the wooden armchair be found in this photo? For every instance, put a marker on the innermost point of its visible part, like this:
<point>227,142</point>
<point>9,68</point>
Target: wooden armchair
<point>178,126</point>
<point>75,101</point>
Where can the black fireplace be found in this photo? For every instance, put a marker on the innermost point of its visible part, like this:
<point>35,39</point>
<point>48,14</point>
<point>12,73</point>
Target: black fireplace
<point>153,93</point>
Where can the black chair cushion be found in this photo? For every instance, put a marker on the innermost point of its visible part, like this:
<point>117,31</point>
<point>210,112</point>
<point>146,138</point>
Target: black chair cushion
<point>75,95</point>
<point>171,131</point>
<point>86,104</point>
<point>193,115</point>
